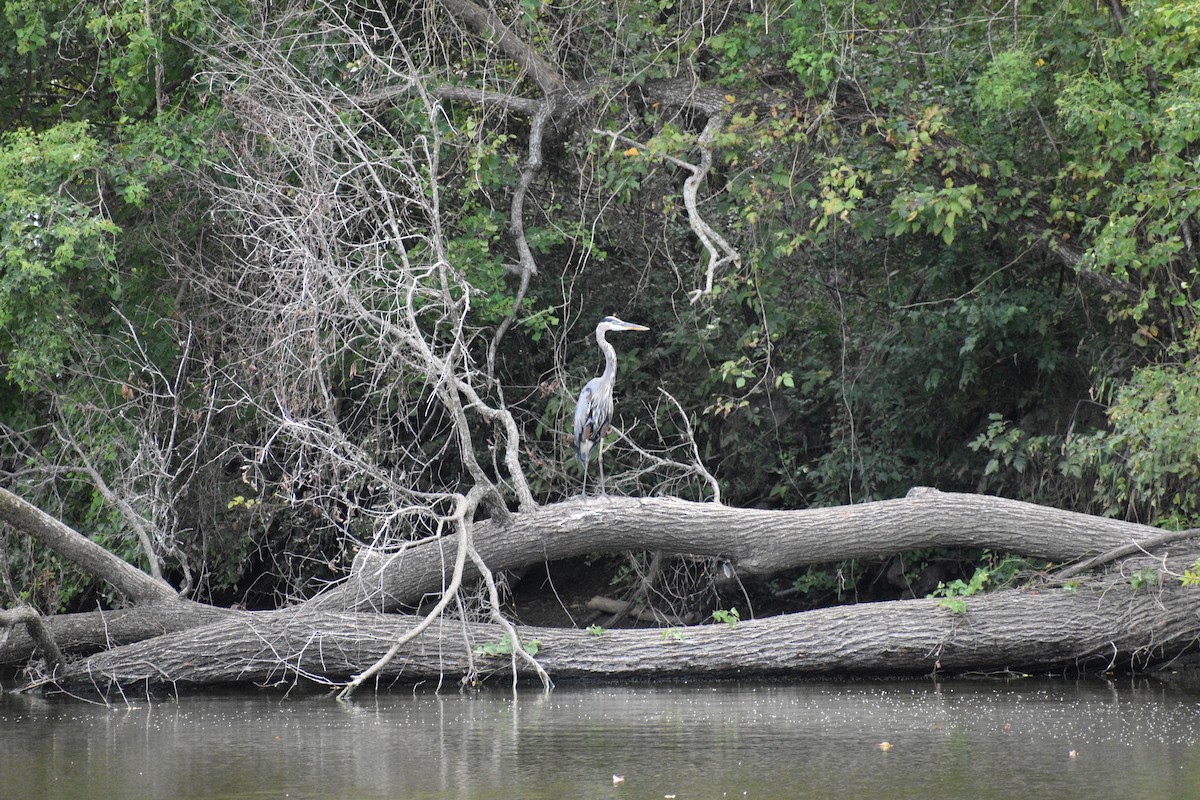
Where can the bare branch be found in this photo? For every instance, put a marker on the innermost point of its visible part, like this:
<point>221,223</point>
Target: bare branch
<point>131,515</point>
<point>716,246</point>
<point>516,224</point>
<point>33,622</point>
<point>487,24</point>
<point>464,507</point>
<point>1128,549</point>
<point>83,551</point>
<point>708,237</point>
<point>484,97</point>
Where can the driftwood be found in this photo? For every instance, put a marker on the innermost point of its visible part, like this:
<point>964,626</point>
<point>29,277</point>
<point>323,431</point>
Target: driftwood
<point>1093,622</point>
<point>623,608</point>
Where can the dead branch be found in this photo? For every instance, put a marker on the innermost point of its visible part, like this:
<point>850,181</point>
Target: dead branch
<point>487,24</point>
<point>527,266</point>
<point>715,245</point>
<point>38,632</point>
<point>1131,548</point>
<point>464,507</point>
<point>708,237</point>
<point>644,586</point>
<point>75,547</point>
<point>484,97</point>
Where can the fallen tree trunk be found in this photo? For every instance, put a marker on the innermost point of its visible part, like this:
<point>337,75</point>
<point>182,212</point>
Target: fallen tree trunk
<point>756,542</point>
<point>86,633</point>
<point>1104,622</point>
<point>1096,626</point>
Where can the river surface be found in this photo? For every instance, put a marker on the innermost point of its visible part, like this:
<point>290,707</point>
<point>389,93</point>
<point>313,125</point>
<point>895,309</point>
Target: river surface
<point>1129,738</point>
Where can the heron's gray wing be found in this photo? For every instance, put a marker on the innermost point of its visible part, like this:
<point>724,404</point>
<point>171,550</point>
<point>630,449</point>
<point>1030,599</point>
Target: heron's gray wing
<point>583,409</point>
<point>592,414</point>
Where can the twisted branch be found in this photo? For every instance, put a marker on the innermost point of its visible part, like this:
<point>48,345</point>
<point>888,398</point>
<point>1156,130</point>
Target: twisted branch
<point>718,248</point>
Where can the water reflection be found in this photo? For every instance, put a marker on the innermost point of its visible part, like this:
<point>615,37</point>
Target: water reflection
<point>982,740</point>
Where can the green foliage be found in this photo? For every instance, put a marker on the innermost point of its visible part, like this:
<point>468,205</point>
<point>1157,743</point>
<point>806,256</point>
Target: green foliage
<point>57,246</point>
<point>1191,575</point>
<point>1143,578</point>
<point>1007,446</point>
<point>242,502</point>
<point>955,604</point>
<point>729,618</point>
<point>796,41</point>
<point>1146,465</point>
<point>1134,124</point>
<point>817,580</point>
<point>1154,467</point>
<point>504,647</point>
<point>1143,466</point>
<point>994,573</point>
<point>1009,83</point>
<point>98,118</point>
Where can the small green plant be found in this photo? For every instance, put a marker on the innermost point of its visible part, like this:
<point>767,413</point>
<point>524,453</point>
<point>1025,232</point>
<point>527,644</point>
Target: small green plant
<point>997,572</point>
<point>504,647</point>
<point>730,617</point>
<point>596,630</point>
<point>952,593</point>
<point>673,633</point>
<point>955,605</point>
<point>1191,575</point>
<point>816,580</point>
<point>1143,578</point>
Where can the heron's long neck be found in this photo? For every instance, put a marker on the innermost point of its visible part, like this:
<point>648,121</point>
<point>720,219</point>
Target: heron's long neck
<point>610,357</point>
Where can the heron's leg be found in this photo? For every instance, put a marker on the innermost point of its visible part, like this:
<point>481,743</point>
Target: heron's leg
<point>600,462</point>
<point>583,492</point>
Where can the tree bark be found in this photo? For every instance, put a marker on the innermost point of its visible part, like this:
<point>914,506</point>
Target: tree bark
<point>756,542</point>
<point>1087,628</point>
<point>86,633</point>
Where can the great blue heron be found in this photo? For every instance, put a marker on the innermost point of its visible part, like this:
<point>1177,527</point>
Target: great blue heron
<point>594,409</point>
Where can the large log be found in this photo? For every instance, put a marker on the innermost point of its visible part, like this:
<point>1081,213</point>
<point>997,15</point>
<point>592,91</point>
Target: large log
<point>1095,626</point>
<point>88,632</point>
<point>756,542</point>
<point>1105,619</point>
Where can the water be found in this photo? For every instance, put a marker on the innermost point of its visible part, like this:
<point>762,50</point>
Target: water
<point>1059,739</point>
